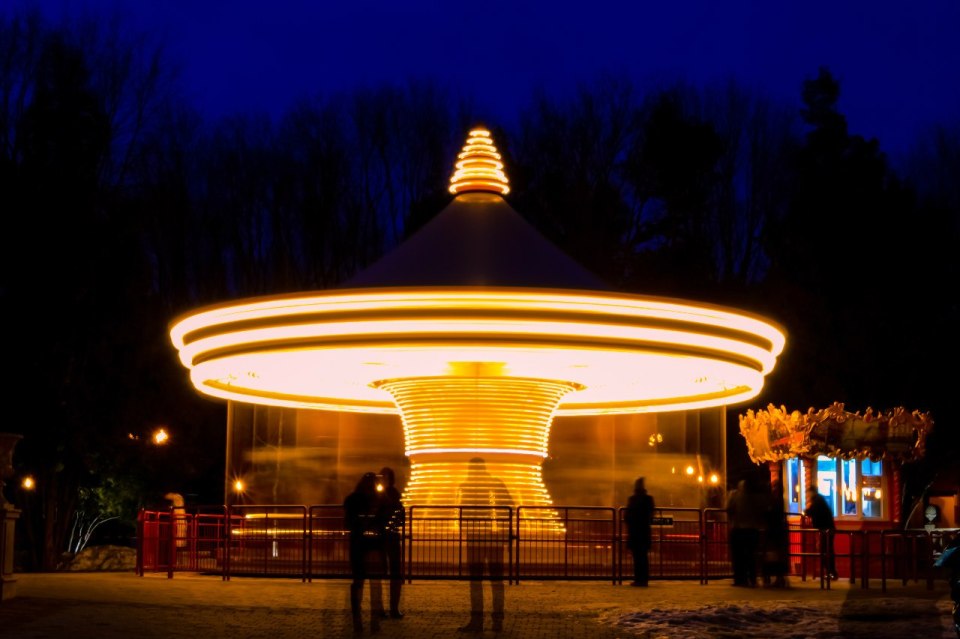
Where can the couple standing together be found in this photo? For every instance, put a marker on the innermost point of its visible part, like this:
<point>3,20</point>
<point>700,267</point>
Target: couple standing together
<point>375,518</point>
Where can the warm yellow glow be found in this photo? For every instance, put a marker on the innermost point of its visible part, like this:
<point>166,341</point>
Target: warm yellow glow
<point>689,470</point>
<point>332,351</point>
<point>450,419</point>
<point>877,493</point>
<point>435,483</point>
<point>714,478</point>
<point>239,486</point>
<point>160,437</point>
<point>28,483</point>
<point>479,167</point>
<point>700,479</point>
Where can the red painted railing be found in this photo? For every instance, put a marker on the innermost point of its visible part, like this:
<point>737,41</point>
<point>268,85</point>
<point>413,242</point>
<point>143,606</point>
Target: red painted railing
<point>558,542</point>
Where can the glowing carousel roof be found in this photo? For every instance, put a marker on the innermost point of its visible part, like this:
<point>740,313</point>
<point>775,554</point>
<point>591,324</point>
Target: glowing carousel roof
<point>477,292</point>
<point>776,434</point>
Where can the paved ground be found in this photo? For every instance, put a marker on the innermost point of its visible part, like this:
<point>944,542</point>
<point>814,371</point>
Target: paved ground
<point>115,605</point>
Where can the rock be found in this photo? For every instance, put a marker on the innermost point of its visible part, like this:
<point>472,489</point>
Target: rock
<point>106,558</point>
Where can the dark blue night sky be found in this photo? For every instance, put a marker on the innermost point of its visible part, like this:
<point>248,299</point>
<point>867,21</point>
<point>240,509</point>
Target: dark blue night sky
<point>898,62</point>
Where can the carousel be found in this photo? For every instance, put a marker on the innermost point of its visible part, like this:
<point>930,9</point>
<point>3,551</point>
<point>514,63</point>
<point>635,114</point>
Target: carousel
<point>476,332</point>
<point>854,460</point>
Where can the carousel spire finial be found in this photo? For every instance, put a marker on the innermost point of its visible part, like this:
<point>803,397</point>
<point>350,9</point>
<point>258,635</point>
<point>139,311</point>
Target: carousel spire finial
<point>479,167</point>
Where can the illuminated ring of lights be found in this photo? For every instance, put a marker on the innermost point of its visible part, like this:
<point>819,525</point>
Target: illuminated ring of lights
<point>329,350</point>
<point>479,167</point>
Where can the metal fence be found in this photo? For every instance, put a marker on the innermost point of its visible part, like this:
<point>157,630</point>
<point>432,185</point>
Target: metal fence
<point>557,542</point>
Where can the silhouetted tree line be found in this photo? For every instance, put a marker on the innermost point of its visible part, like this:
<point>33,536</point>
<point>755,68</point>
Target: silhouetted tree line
<point>123,208</point>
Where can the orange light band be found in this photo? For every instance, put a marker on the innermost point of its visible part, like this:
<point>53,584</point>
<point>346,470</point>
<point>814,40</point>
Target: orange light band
<point>479,168</point>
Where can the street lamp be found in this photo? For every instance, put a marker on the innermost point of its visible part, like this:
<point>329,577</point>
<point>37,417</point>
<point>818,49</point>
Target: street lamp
<point>160,436</point>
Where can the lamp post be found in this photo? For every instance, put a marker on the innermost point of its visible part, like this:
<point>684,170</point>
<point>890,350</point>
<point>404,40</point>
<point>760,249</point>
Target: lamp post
<point>8,517</point>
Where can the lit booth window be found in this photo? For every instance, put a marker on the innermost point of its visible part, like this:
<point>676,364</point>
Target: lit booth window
<point>853,488</point>
<point>871,500</point>
<point>794,487</point>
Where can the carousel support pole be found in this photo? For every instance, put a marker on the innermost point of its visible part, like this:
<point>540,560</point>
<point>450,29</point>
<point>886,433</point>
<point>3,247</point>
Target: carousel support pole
<point>896,496</point>
<point>776,472</point>
<point>809,469</point>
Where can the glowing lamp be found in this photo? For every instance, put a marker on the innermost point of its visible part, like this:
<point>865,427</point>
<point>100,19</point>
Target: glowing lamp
<point>160,437</point>
<point>238,486</point>
<point>28,483</point>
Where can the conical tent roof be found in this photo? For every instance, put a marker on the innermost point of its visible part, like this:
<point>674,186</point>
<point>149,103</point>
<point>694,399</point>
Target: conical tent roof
<point>478,240</point>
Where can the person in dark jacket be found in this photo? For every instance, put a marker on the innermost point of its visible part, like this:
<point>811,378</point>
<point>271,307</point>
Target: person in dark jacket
<point>746,514</point>
<point>393,538</point>
<point>776,548</point>
<point>364,517</point>
<point>639,518</point>
<point>949,559</point>
<point>821,518</point>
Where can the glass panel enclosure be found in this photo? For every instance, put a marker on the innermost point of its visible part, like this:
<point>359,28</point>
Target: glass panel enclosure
<point>871,493</point>
<point>827,481</point>
<point>795,491</point>
<point>848,489</point>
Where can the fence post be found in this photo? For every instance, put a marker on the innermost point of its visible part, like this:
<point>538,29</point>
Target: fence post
<point>139,567</point>
<point>226,543</point>
<point>172,553</point>
<point>409,562</point>
<point>825,538</point>
<point>864,560</point>
<point>614,545</point>
<point>308,532</point>
<point>303,547</point>
<point>617,549</point>
<point>702,547</point>
<point>883,561</point>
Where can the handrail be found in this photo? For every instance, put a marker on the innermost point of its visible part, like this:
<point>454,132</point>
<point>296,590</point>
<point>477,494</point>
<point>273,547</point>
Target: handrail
<point>581,542</point>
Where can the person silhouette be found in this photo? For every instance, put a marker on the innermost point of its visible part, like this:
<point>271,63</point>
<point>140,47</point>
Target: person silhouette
<point>364,517</point>
<point>821,517</point>
<point>485,514</point>
<point>639,518</point>
<point>746,513</point>
<point>392,539</point>
<point>776,540</point>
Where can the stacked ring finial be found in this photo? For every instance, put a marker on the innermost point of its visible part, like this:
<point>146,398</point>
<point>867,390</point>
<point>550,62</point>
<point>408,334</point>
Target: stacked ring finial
<point>479,166</point>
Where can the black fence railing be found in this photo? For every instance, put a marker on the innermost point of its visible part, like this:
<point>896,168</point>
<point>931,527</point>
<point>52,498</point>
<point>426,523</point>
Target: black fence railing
<point>556,542</point>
